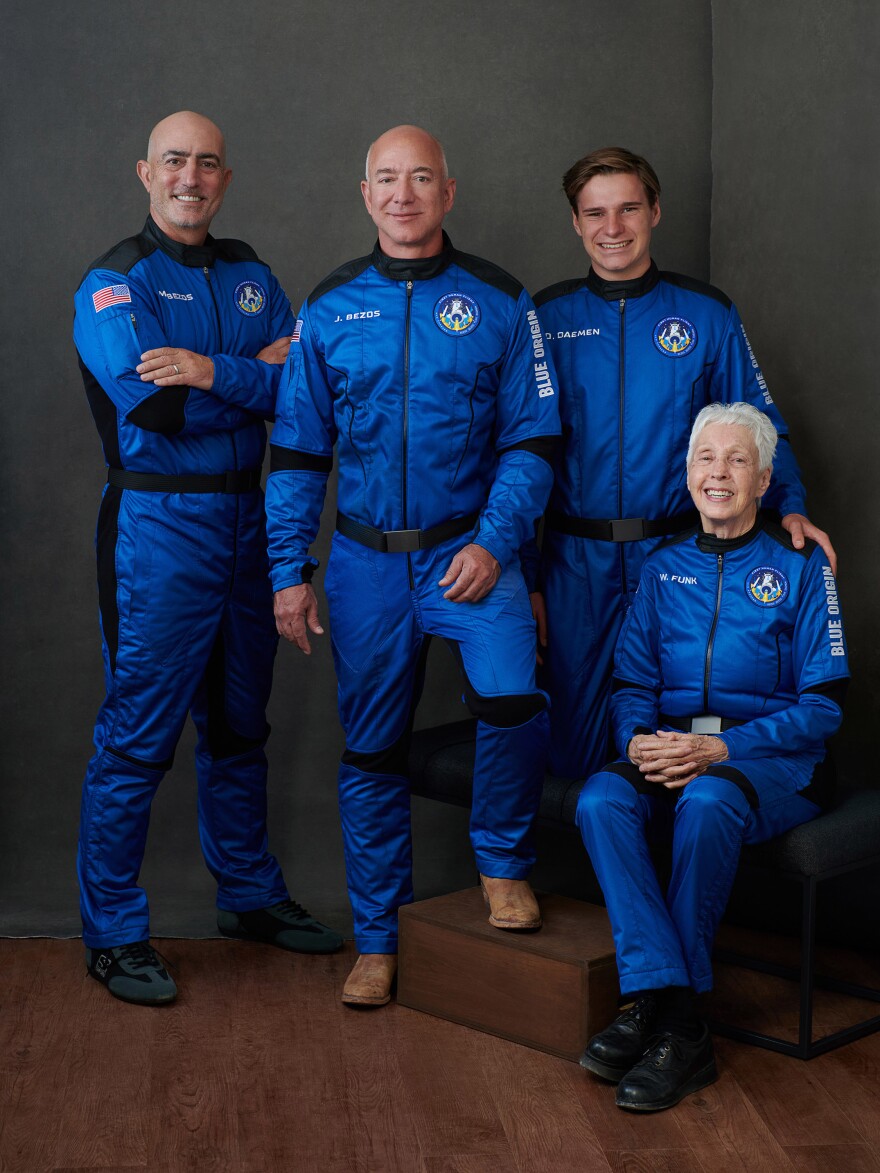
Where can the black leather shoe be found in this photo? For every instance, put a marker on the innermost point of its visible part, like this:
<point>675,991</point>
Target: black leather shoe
<point>671,1068</point>
<point>613,1051</point>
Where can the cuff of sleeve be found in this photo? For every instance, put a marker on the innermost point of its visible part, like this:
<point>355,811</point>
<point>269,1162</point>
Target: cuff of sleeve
<point>793,505</point>
<point>623,743</point>
<point>497,549</point>
<point>220,386</point>
<point>726,738</point>
<point>294,576</point>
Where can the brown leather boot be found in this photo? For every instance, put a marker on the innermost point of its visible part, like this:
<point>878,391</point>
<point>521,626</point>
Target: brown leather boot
<point>369,983</point>
<point>512,904</point>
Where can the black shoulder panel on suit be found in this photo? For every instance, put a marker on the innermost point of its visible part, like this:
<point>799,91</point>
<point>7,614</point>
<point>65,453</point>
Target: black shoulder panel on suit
<point>340,276</point>
<point>486,271</point>
<point>235,250</point>
<point>123,257</point>
<point>783,537</point>
<point>676,538</point>
<point>560,289</point>
<point>694,286</point>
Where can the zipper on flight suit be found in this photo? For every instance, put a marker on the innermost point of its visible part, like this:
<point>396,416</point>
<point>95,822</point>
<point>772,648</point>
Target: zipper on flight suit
<point>621,306</point>
<point>409,293</point>
<point>207,273</point>
<point>708,663</point>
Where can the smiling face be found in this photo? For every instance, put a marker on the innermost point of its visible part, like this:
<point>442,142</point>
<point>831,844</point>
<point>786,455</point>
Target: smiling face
<point>614,219</point>
<point>725,479</point>
<point>186,175</point>
<point>407,193</point>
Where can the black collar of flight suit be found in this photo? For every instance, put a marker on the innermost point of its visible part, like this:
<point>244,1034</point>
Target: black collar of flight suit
<point>710,544</point>
<point>194,256</point>
<point>615,290</point>
<point>413,269</point>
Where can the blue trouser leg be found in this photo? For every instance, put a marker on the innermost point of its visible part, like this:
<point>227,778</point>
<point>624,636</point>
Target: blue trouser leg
<point>115,815</point>
<point>186,622</point>
<point>377,644</point>
<point>375,810</point>
<point>614,819</point>
<point>494,641</point>
<point>710,821</point>
<point>229,711</point>
<point>508,778</point>
<point>713,818</point>
<point>379,620</point>
<point>232,831</point>
<point>667,940</point>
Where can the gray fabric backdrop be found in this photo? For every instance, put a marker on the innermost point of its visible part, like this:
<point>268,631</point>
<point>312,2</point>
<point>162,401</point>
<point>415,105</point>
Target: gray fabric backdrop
<point>756,118</point>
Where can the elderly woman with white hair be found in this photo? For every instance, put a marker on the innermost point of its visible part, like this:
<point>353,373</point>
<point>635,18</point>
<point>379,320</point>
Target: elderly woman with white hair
<point>729,676</point>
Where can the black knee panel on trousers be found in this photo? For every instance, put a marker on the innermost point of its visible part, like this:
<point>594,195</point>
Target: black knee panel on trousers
<point>505,712</point>
<point>392,760</point>
<point>223,741</point>
<point>502,712</point>
<point>637,780</point>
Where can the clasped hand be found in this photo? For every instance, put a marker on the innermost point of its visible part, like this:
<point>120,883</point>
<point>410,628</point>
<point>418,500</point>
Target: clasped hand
<point>674,759</point>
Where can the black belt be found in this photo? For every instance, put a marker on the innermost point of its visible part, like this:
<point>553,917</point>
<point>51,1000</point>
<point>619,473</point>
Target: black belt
<point>705,723</point>
<point>403,541</point>
<point>619,529</point>
<point>241,480</point>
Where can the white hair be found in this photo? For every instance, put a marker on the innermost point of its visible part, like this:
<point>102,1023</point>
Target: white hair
<point>439,148</point>
<point>743,415</point>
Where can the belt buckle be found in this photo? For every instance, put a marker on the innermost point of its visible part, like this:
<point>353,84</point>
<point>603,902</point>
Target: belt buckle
<point>707,725</point>
<point>627,529</point>
<point>402,541</point>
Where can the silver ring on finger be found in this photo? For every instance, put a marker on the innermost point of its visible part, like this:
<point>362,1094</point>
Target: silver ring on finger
<point>176,368</point>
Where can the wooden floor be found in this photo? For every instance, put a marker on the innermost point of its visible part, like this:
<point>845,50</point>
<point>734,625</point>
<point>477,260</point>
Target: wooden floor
<point>258,1068</point>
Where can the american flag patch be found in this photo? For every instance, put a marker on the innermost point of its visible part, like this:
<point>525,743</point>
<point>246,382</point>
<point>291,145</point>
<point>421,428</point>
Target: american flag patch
<point>297,330</point>
<point>110,295</point>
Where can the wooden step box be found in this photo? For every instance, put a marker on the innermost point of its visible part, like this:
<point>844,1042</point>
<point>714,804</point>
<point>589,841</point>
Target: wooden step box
<point>552,990</point>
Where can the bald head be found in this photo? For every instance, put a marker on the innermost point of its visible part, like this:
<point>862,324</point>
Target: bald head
<point>183,124</point>
<point>186,175</point>
<point>410,134</point>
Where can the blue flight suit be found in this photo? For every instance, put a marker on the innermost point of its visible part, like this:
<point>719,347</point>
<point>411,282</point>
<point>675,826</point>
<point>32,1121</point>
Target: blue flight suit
<point>636,362</point>
<point>430,378</point>
<point>748,631</point>
<point>185,601</point>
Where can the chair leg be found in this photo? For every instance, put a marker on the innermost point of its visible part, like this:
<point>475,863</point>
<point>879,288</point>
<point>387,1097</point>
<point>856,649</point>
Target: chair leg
<point>808,965</point>
<point>805,975</point>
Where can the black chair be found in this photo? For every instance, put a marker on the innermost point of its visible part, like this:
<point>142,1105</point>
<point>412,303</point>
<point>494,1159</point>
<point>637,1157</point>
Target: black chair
<point>844,839</point>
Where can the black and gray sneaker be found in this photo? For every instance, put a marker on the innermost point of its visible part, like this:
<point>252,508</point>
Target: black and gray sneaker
<point>134,973</point>
<point>287,925</point>
<point>612,1052</point>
